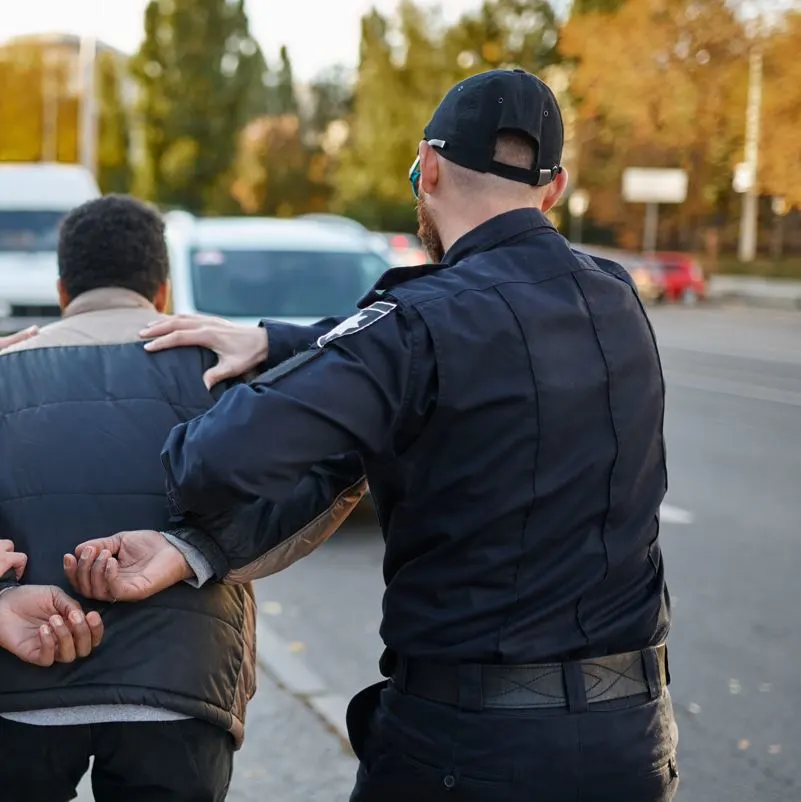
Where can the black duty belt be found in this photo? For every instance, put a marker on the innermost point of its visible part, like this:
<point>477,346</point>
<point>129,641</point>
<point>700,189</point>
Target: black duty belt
<point>573,686</point>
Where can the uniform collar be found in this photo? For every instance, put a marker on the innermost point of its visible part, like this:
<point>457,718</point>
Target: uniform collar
<point>495,231</point>
<point>106,298</point>
<point>394,277</point>
<point>482,238</point>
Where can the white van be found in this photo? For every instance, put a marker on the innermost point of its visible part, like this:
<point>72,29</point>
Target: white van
<point>248,268</point>
<point>33,200</point>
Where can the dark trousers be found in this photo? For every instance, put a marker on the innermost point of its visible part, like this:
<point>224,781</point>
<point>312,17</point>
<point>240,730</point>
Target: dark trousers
<point>160,761</point>
<point>412,749</point>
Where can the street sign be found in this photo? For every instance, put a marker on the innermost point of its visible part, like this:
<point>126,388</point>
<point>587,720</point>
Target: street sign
<point>578,202</point>
<point>654,185</point>
<point>743,177</point>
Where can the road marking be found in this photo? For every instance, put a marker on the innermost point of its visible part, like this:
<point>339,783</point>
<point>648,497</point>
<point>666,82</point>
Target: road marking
<point>754,392</point>
<point>675,515</point>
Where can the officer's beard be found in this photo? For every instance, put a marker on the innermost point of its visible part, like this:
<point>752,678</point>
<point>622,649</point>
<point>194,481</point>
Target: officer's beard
<point>427,231</point>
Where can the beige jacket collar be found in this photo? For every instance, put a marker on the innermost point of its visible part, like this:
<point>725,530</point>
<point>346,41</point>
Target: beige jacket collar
<point>106,298</point>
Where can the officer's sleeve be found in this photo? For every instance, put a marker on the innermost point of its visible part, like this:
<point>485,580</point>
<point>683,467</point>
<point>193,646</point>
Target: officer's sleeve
<point>262,439</point>
<point>284,340</point>
<point>318,506</point>
<point>284,532</point>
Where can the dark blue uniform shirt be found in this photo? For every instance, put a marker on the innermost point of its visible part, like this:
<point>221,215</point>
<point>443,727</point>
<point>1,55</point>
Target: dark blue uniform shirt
<point>507,406</point>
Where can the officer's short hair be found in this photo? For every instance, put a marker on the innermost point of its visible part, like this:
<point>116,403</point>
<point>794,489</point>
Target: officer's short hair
<point>512,148</point>
<point>515,149</point>
<point>114,241</point>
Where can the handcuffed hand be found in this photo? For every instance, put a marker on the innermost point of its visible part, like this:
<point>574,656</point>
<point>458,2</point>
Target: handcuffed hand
<point>128,566</point>
<point>239,348</point>
<point>11,560</point>
<point>40,624</point>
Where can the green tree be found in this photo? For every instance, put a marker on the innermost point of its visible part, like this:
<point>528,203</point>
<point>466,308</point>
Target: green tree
<point>365,179</point>
<point>332,98</point>
<point>407,63</point>
<point>113,165</point>
<point>504,33</point>
<point>285,100</point>
<point>196,70</point>
<point>258,95</point>
<point>590,6</point>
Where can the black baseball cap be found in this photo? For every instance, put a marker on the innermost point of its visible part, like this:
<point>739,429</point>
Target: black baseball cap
<point>467,122</point>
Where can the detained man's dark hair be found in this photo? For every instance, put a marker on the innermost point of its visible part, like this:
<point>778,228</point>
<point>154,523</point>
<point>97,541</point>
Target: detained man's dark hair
<point>114,241</point>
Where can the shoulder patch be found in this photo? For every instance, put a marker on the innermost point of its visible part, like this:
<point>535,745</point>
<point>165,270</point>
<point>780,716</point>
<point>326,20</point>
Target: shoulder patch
<point>357,322</point>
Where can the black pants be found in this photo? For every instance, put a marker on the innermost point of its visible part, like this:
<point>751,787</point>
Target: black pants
<point>160,761</point>
<point>412,749</point>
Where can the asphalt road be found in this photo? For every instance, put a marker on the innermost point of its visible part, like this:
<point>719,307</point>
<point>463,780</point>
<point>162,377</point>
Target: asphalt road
<point>731,541</point>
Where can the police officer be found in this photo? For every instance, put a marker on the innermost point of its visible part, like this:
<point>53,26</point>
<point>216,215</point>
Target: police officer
<point>507,403</point>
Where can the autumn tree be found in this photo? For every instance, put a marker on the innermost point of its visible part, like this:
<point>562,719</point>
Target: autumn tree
<point>674,97</point>
<point>277,174</point>
<point>780,171</point>
<point>196,70</point>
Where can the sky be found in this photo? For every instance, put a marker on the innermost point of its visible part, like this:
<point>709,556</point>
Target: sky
<point>318,33</point>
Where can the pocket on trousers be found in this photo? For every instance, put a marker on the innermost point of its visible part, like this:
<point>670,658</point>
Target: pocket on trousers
<point>399,776</point>
<point>657,785</point>
<point>666,781</point>
<point>359,718</point>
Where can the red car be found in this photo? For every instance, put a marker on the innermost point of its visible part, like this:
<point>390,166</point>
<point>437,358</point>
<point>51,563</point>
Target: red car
<point>683,276</point>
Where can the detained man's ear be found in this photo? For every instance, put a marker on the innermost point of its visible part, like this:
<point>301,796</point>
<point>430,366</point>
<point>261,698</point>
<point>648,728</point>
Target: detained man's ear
<point>429,168</point>
<point>63,298</point>
<point>162,298</point>
<point>554,191</point>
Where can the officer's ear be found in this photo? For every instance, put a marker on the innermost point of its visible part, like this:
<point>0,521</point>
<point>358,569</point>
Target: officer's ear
<point>429,168</point>
<point>554,191</point>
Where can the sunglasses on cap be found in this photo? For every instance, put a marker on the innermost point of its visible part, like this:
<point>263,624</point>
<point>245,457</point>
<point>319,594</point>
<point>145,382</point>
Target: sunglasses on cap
<point>414,170</point>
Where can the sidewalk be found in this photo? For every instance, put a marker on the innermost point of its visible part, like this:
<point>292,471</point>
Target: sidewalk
<point>755,291</point>
<point>289,755</point>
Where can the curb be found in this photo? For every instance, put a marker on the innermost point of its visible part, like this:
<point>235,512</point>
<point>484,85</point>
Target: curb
<point>792,304</point>
<point>755,291</point>
<point>276,658</point>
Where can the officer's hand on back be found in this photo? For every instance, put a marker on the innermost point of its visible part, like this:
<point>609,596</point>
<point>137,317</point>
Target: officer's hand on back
<point>239,348</point>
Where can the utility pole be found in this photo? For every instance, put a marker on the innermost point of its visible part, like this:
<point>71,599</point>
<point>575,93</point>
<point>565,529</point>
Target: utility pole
<point>651,232</point>
<point>749,222</point>
<point>88,124</point>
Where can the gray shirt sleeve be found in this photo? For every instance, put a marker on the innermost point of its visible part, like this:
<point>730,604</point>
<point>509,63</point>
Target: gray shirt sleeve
<point>197,562</point>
